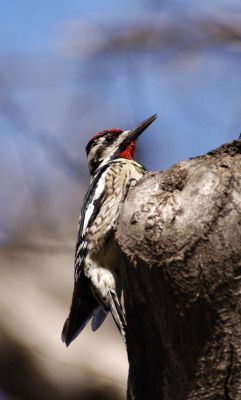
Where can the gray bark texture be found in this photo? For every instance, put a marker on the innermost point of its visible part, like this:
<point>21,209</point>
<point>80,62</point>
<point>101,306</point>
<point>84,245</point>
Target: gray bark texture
<point>180,240</point>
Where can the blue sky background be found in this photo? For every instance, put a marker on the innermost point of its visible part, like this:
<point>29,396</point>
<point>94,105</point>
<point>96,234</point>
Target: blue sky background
<point>69,69</point>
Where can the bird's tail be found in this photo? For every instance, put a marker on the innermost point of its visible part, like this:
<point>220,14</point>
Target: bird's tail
<point>99,316</point>
<point>82,309</point>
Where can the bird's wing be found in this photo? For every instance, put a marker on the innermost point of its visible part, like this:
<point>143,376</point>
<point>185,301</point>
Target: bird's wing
<point>84,303</point>
<point>92,204</point>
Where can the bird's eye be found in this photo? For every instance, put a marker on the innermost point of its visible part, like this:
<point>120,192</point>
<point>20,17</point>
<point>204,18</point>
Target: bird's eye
<point>109,139</point>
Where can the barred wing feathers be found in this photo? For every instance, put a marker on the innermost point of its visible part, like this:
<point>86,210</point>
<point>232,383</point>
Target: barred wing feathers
<point>84,303</point>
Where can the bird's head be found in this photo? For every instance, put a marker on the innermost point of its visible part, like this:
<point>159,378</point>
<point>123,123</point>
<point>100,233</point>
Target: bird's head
<point>114,143</point>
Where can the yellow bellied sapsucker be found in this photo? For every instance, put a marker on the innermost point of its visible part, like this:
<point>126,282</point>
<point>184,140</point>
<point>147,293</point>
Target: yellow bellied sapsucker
<point>97,281</point>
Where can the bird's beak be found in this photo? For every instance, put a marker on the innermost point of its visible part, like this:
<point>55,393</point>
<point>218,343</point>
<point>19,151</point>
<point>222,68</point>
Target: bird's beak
<point>127,137</point>
<point>136,132</point>
<point>133,134</point>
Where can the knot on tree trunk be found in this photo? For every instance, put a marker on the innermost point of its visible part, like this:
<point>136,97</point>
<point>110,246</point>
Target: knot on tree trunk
<point>180,240</point>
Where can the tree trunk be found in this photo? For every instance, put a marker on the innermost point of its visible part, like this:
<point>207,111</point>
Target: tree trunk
<point>180,240</point>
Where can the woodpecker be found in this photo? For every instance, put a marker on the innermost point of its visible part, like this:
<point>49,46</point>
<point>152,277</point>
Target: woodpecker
<point>97,280</point>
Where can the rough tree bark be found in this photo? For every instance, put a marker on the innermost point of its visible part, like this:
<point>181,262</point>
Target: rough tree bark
<point>180,240</point>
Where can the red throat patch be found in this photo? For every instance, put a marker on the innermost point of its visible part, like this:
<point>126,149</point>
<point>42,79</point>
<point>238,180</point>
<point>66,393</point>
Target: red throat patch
<point>129,151</point>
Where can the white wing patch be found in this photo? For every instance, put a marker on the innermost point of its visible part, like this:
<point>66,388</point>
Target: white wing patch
<point>89,211</point>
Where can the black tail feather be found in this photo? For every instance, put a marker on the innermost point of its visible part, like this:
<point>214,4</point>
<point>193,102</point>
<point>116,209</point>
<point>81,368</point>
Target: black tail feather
<point>82,308</point>
<point>99,316</point>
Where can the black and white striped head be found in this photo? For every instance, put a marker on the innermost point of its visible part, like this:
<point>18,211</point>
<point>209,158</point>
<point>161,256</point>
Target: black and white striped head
<point>113,143</point>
